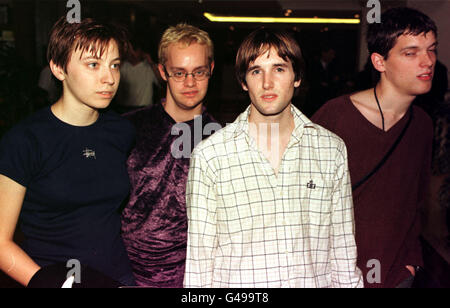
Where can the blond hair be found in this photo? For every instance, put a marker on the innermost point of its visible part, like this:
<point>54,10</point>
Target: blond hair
<point>184,34</point>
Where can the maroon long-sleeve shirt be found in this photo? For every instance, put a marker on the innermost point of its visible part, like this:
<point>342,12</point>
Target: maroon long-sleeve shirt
<point>388,205</point>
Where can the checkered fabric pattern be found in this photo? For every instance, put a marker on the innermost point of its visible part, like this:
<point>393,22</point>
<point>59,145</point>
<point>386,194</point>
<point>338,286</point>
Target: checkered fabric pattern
<point>251,228</point>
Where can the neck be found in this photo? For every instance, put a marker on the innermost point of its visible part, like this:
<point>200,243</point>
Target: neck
<point>76,115</point>
<point>271,133</point>
<point>391,100</point>
<point>179,114</point>
<point>284,120</point>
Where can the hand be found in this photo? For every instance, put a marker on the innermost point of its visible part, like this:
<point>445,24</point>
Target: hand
<point>412,269</point>
<point>55,276</point>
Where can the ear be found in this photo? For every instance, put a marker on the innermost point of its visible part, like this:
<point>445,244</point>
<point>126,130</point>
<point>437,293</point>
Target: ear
<point>162,72</point>
<point>297,83</point>
<point>57,71</point>
<point>377,62</point>
<point>244,86</point>
<point>211,67</point>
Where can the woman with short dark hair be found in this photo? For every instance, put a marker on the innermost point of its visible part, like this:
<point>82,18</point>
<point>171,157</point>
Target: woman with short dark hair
<point>63,172</point>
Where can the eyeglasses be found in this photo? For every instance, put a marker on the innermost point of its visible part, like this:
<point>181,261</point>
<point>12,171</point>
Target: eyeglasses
<point>198,75</point>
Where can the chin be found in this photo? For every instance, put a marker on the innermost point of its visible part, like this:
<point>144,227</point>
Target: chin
<point>189,105</point>
<point>269,113</point>
<point>100,105</point>
<point>272,111</point>
<point>418,92</point>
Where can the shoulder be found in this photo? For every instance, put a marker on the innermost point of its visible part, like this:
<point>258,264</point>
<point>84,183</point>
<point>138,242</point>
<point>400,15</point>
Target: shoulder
<point>220,144</point>
<point>208,118</point>
<point>329,109</point>
<point>332,112</point>
<point>142,115</point>
<point>22,146</point>
<point>214,142</point>
<point>337,102</point>
<point>326,140</point>
<point>114,119</point>
<point>423,121</point>
<point>422,116</point>
<point>120,129</point>
<point>32,126</point>
<point>328,149</point>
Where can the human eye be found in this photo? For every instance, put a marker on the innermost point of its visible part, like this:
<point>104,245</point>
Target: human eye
<point>178,74</point>
<point>115,66</point>
<point>255,72</point>
<point>279,69</point>
<point>200,73</point>
<point>92,64</point>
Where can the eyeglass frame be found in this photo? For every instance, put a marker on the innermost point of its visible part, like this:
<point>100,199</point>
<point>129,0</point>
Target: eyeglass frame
<point>206,76</point>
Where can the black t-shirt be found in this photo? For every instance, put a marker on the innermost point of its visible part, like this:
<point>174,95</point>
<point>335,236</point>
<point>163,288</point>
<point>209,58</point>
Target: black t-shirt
<point>76,180</point>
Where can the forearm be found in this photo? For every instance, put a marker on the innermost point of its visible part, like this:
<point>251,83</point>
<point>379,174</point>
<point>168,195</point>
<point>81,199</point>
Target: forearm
<point>16,263</point>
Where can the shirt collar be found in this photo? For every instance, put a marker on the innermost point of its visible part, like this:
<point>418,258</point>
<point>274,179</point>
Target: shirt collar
<point>241,124</point>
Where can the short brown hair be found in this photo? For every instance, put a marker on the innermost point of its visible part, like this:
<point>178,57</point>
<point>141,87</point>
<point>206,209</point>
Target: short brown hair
<point>88,35</point>
<point>184,34</point>
<point>382,37</point>
<point>260,41</point>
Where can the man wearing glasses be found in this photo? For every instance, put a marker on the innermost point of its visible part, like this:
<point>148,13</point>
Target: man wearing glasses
<point>154,222</point>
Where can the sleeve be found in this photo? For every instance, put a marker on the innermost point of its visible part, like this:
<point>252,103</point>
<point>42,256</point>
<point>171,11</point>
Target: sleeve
<point>18,156</point>
<point>343,253</point>
<point>201,212</point>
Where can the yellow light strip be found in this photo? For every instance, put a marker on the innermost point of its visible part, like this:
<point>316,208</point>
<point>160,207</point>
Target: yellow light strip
<point>291,20</point>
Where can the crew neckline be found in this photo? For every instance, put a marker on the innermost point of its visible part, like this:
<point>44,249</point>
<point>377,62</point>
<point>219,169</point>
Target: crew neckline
<point>65,124</point>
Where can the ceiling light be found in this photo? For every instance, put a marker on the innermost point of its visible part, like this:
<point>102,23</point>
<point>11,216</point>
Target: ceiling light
<point>291,20</point>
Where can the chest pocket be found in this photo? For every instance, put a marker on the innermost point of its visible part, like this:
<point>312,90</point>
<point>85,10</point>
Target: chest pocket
<point>315,195</point>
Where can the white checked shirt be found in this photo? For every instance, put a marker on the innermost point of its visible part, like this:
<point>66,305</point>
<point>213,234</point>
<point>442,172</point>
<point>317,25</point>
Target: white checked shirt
<point>251,228</point>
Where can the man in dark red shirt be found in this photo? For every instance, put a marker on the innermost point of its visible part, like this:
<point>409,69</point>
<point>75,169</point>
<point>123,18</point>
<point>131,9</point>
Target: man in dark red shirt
<point>389,146</point>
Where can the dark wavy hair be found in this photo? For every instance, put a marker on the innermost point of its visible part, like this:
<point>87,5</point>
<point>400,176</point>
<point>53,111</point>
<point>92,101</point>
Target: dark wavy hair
<point>88,35</point>
<point>381,37</point>
<point>260,41</point>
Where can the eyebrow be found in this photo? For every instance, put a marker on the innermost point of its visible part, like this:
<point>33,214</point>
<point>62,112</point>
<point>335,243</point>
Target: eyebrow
<point>274,65</point>
<point>417,47</point>
<point>183,69</point>
<point>97,58</point>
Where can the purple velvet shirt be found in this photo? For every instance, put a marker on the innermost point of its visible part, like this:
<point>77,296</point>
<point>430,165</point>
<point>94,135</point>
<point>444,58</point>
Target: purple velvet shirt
<point>154,222</point>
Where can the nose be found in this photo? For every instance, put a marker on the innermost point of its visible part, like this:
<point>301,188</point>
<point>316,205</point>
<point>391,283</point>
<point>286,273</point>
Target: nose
<point>189,81</point>
<point>108,76</point>
<point>267,80</point>
<point>428,59</point>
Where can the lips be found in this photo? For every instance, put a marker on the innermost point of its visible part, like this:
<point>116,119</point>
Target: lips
<point>190,93</point>
<point>106,94</point>
<point>270,97</point>
<point>425,76</point>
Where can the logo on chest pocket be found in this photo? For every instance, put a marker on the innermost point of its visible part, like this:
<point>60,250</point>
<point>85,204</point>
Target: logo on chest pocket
<point>311,185</point>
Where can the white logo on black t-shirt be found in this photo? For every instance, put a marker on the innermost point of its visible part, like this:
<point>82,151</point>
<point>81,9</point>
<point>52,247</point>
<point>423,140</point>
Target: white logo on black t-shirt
<point>87,153</point>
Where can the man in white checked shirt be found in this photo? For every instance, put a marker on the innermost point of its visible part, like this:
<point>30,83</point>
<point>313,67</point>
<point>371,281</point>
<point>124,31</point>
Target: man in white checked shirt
<point>268,197</point>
